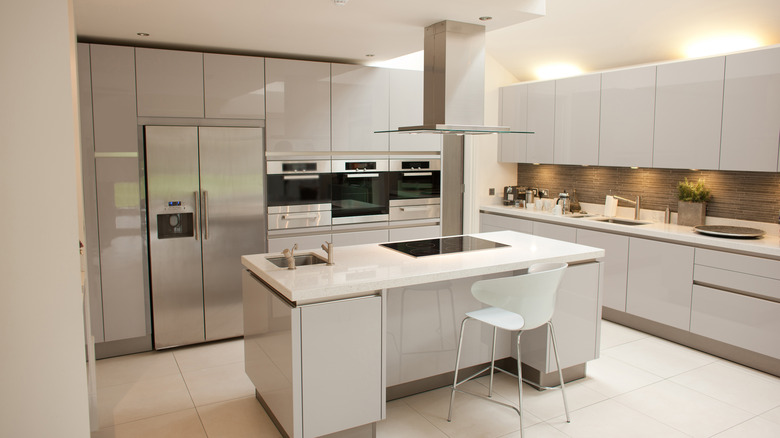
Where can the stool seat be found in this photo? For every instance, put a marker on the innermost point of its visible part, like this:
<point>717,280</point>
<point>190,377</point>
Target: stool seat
<point>500,318</point>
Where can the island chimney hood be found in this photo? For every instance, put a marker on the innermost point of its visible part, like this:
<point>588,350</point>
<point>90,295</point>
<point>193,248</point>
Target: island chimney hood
<point>454,82</point>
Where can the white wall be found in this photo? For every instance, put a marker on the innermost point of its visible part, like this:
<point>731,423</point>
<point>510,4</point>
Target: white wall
<point>43,390</point>
<point>481,167</point>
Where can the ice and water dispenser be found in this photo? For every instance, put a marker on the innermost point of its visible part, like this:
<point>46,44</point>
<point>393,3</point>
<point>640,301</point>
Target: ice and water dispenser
<point>175,222</point>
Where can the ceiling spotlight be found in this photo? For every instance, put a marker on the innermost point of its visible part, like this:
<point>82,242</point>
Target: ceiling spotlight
<point>340,2</point>
<point>142,34</point>
<point>485,18</point>
<point>370,55</point>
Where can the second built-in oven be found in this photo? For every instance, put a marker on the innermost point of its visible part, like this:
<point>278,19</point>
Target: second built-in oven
<point>360,191</point>
<point>299,194</point>
<point>415,189</point>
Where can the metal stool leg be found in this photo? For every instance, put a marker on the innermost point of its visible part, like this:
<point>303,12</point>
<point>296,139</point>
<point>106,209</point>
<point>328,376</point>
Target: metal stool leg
<point>519,384</point>
<point>492,362</point>
<point>560,372</point>
<point>457,366</point>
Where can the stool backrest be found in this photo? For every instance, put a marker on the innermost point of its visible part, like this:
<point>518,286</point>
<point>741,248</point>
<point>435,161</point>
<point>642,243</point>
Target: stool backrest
<point>530,295</point>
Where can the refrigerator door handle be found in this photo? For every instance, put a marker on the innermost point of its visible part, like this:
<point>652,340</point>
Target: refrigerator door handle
<point>197,215</point>
<point>205,215</point>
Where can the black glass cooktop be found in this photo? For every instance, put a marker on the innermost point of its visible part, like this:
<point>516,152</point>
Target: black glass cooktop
<point>442,245</point>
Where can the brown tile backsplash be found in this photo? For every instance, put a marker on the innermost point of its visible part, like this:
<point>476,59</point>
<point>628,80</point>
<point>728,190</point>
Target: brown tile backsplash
<point>751,196</point>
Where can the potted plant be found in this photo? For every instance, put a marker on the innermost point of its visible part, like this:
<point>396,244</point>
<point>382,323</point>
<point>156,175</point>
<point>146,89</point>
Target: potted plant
<point>692,204</point>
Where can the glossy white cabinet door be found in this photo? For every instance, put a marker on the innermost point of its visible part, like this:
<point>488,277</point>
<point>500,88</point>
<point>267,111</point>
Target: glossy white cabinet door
<point>360,107</point>
<point>234,86</point>
<point>541,120</point>
<point>359,237</point>
<point>557,232</point>
<point>113,98</point>
<point>297,105</point>
<point>169,83</point>
<point>577,107</point>
<point>627,117</point>
<point>494,222</point>
<point>688,110</point>
<point>746,322</point>
<point>660,278</point>
<point>513,112</point>
<point>342,365</point>
<point>406,109</point>
<point>751,111</point>
<point>615,265</point>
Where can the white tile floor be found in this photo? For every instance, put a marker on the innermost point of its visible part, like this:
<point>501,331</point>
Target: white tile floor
<point>641,386</point>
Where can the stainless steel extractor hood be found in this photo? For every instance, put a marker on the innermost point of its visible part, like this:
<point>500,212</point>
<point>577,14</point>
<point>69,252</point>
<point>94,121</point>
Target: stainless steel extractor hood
<point>454,82</point>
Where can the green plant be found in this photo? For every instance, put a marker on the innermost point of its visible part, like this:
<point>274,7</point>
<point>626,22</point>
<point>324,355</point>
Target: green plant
<point>693,192</point>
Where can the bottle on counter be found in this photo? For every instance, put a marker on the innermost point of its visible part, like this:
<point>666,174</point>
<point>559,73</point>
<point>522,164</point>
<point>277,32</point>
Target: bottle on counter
<point>574,202</point>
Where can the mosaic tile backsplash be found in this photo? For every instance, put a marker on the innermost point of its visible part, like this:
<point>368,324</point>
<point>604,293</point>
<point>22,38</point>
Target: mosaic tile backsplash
<point>753,196</point>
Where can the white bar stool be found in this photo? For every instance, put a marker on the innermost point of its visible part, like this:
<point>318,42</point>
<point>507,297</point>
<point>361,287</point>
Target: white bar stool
<point>520,303</point>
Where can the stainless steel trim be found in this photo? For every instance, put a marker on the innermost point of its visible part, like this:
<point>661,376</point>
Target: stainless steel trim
<point>197,215</point>
<point>205,215</point>
<point>297,216</point>
<point>291,177</point>
<point>396,165</point>
<point>363,175</point>
<point>418,173</point>
<point>299,220</point>
<point>360,219</point>
<point>197,121</point>
<point>420,201</point>
<point>275,167</point>
<point>116,154</point>
<point>298,208</point>
<point>341,165</point>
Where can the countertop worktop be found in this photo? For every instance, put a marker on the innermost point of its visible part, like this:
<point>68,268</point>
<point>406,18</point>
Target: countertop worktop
<point>362,269</point>
<point>766,246</point>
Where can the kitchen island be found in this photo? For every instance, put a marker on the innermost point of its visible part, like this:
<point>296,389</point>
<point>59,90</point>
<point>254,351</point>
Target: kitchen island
<point>326,346</point>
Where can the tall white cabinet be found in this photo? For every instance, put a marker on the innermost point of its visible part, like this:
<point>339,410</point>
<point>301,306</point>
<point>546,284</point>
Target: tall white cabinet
<point>751,111</point>
<point>688,110</point>
<point>234,86</point>
<point>541,120</point>
<point>627,117</point>
<point>360,98</point>
<point>406,109</point>
<point>577,103</point>
<point>169,82</point>
<point>513,112</point>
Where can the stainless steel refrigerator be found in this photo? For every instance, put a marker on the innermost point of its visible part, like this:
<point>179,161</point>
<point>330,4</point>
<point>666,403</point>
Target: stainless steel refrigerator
<point>206,207</point>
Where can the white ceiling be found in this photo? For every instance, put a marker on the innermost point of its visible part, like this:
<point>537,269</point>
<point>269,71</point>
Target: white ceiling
<point>594,35</point>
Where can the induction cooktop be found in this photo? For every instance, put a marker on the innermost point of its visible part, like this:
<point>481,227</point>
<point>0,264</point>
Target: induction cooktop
<point>442,245</point>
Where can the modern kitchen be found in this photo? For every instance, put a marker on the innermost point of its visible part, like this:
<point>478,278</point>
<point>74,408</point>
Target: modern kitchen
<point>283,236</point>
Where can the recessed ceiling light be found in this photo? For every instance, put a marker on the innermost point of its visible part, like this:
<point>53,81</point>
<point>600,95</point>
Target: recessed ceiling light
<point>720,44</point>
<point>485,18</point>
<point>340,2</point>
<point>142,34</point>
<point>370,55</point>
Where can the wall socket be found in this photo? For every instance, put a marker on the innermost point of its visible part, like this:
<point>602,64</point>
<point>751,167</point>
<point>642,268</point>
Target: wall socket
<point>543,193</point>
<point>492,191</point>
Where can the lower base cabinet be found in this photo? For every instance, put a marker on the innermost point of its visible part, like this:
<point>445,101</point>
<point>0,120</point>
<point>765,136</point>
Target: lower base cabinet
<point>334,348</point>
<point>615,265</point>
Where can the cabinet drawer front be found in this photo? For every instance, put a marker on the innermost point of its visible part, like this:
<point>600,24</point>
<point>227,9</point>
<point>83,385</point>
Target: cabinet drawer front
<point>753,284</point>
<point>494,222</point>
<point>738,263</point>
<point>746,322</point>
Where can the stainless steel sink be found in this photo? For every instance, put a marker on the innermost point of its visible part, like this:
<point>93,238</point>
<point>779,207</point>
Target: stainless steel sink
<point>613,220</point>
<point>579,215</point>
<point>300,260</point>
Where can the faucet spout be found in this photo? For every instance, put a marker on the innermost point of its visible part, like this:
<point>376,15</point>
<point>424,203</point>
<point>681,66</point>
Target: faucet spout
<point>636,204</point>
<point>328,247</point>
<point>289,254</point>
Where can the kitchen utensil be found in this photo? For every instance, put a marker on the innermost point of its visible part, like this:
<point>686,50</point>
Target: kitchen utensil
<point>729,231</point>
<point>564,202</point>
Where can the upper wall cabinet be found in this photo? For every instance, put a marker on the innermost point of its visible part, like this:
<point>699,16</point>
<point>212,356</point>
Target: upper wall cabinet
<point>234,86</point>
<point>541,120</point>
<point>170,83</point>
<point>406,109</point>
<point>577,103</point>
<point>627,117</point>
<point>297,105</point>
<point>751,111</point>
<point>689,106</point>
<point>360,107</point>
<point>113,98</point>
<point>513,112</point>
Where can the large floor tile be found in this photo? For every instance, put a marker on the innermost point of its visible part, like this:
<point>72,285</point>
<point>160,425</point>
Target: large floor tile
<point>733,386</point>
<point>609,419</point>
<point>209,355</point>
<point>472,417</point>
<point>403,421</point>
<point>684,409</point>
<point>544,404</point>
<point>242,418</point>
<point>772,415</point>
<point>539,430</point>
<point>754,428</point>
<point>147,398</point>
<point>612,377</point>
<point>218,384</point>
<point>613,335</point>
<point>182,424</point>
<point>660,357</point>
<point>135,367</point>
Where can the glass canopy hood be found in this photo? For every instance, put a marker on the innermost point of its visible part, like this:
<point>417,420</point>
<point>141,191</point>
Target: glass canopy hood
<point>454,129</point>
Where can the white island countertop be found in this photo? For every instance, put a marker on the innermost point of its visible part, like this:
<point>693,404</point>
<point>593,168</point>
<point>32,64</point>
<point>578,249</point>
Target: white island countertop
<point>363,269</point>
<point>766,246</point>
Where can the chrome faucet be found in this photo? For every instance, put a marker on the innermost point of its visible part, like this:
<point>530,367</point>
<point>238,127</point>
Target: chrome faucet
<point>636,205</point>
<point>328,247</point>
<point>289,255</point>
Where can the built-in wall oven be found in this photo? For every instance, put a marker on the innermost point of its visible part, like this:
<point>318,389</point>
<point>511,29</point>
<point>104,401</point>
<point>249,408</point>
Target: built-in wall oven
<point>299,194</point>
<point>360,191</point>
<point>415,189</point>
